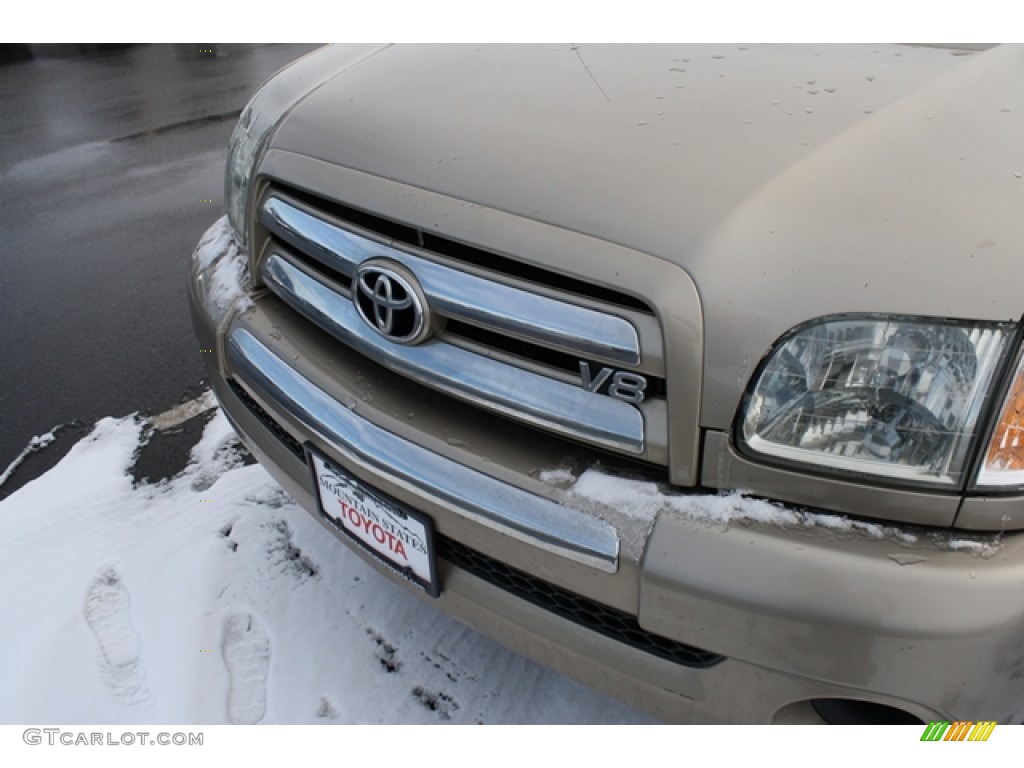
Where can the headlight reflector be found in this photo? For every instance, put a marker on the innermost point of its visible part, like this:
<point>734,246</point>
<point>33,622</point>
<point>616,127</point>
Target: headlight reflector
<point>897,398</point>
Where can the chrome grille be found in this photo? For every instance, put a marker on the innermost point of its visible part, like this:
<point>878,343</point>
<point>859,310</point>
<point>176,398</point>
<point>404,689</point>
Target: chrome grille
<point>310,260</point>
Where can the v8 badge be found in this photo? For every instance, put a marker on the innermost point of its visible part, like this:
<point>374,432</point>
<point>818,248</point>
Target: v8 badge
<point>622,385</point>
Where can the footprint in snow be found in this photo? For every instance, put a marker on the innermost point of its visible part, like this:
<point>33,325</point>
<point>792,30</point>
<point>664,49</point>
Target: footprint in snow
<point>245,647</point>
<point>108,613</point>
<point>442,703</point>
<point>386,652</point>
<point>327,709</point>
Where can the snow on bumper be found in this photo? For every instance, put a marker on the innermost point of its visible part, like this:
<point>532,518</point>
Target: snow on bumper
<point>221,271</point>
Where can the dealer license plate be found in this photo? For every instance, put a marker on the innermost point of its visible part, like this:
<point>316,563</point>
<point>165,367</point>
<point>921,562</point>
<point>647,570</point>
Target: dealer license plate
<point>399,536</point>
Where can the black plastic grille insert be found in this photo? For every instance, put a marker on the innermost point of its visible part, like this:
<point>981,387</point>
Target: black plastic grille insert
<point>599,618</point>
<point>267,421</point>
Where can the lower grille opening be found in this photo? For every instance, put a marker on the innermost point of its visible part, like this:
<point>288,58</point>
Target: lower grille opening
<point>265,419</point>
<point>599,618</point>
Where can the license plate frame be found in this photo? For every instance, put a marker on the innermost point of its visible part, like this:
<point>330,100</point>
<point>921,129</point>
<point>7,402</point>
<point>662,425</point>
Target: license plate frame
<point>376,522</point>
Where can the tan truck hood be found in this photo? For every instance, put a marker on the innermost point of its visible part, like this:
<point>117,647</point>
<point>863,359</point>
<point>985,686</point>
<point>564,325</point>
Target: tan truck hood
<point>789,181</point>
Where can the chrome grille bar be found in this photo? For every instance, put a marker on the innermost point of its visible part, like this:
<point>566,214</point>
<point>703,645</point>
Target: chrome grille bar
<point>514,392</point>
<point>521,514</point>
<point>577,330</point>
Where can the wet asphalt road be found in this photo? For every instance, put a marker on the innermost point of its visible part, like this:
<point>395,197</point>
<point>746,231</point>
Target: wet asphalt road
<point>106,164</point>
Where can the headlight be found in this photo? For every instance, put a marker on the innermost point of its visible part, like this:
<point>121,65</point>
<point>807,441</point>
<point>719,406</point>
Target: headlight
<point>253,126</point>
<point>895,398</point>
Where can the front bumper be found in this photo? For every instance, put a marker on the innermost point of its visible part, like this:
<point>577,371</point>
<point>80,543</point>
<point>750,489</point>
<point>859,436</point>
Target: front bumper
<point>796,614</point>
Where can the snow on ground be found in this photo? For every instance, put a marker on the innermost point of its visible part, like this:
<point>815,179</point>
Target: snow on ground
<point>213,598</point>
<point>37,443</point>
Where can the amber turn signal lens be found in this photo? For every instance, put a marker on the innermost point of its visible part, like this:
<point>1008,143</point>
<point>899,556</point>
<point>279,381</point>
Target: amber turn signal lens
<point>1005,455</point>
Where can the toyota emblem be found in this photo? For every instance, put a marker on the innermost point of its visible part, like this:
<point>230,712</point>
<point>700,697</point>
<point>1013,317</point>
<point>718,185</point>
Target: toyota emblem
<point>389,300</point>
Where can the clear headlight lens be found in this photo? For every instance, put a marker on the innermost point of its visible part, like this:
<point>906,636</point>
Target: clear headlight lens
<point>252,128</point>
<point>890,397</point>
